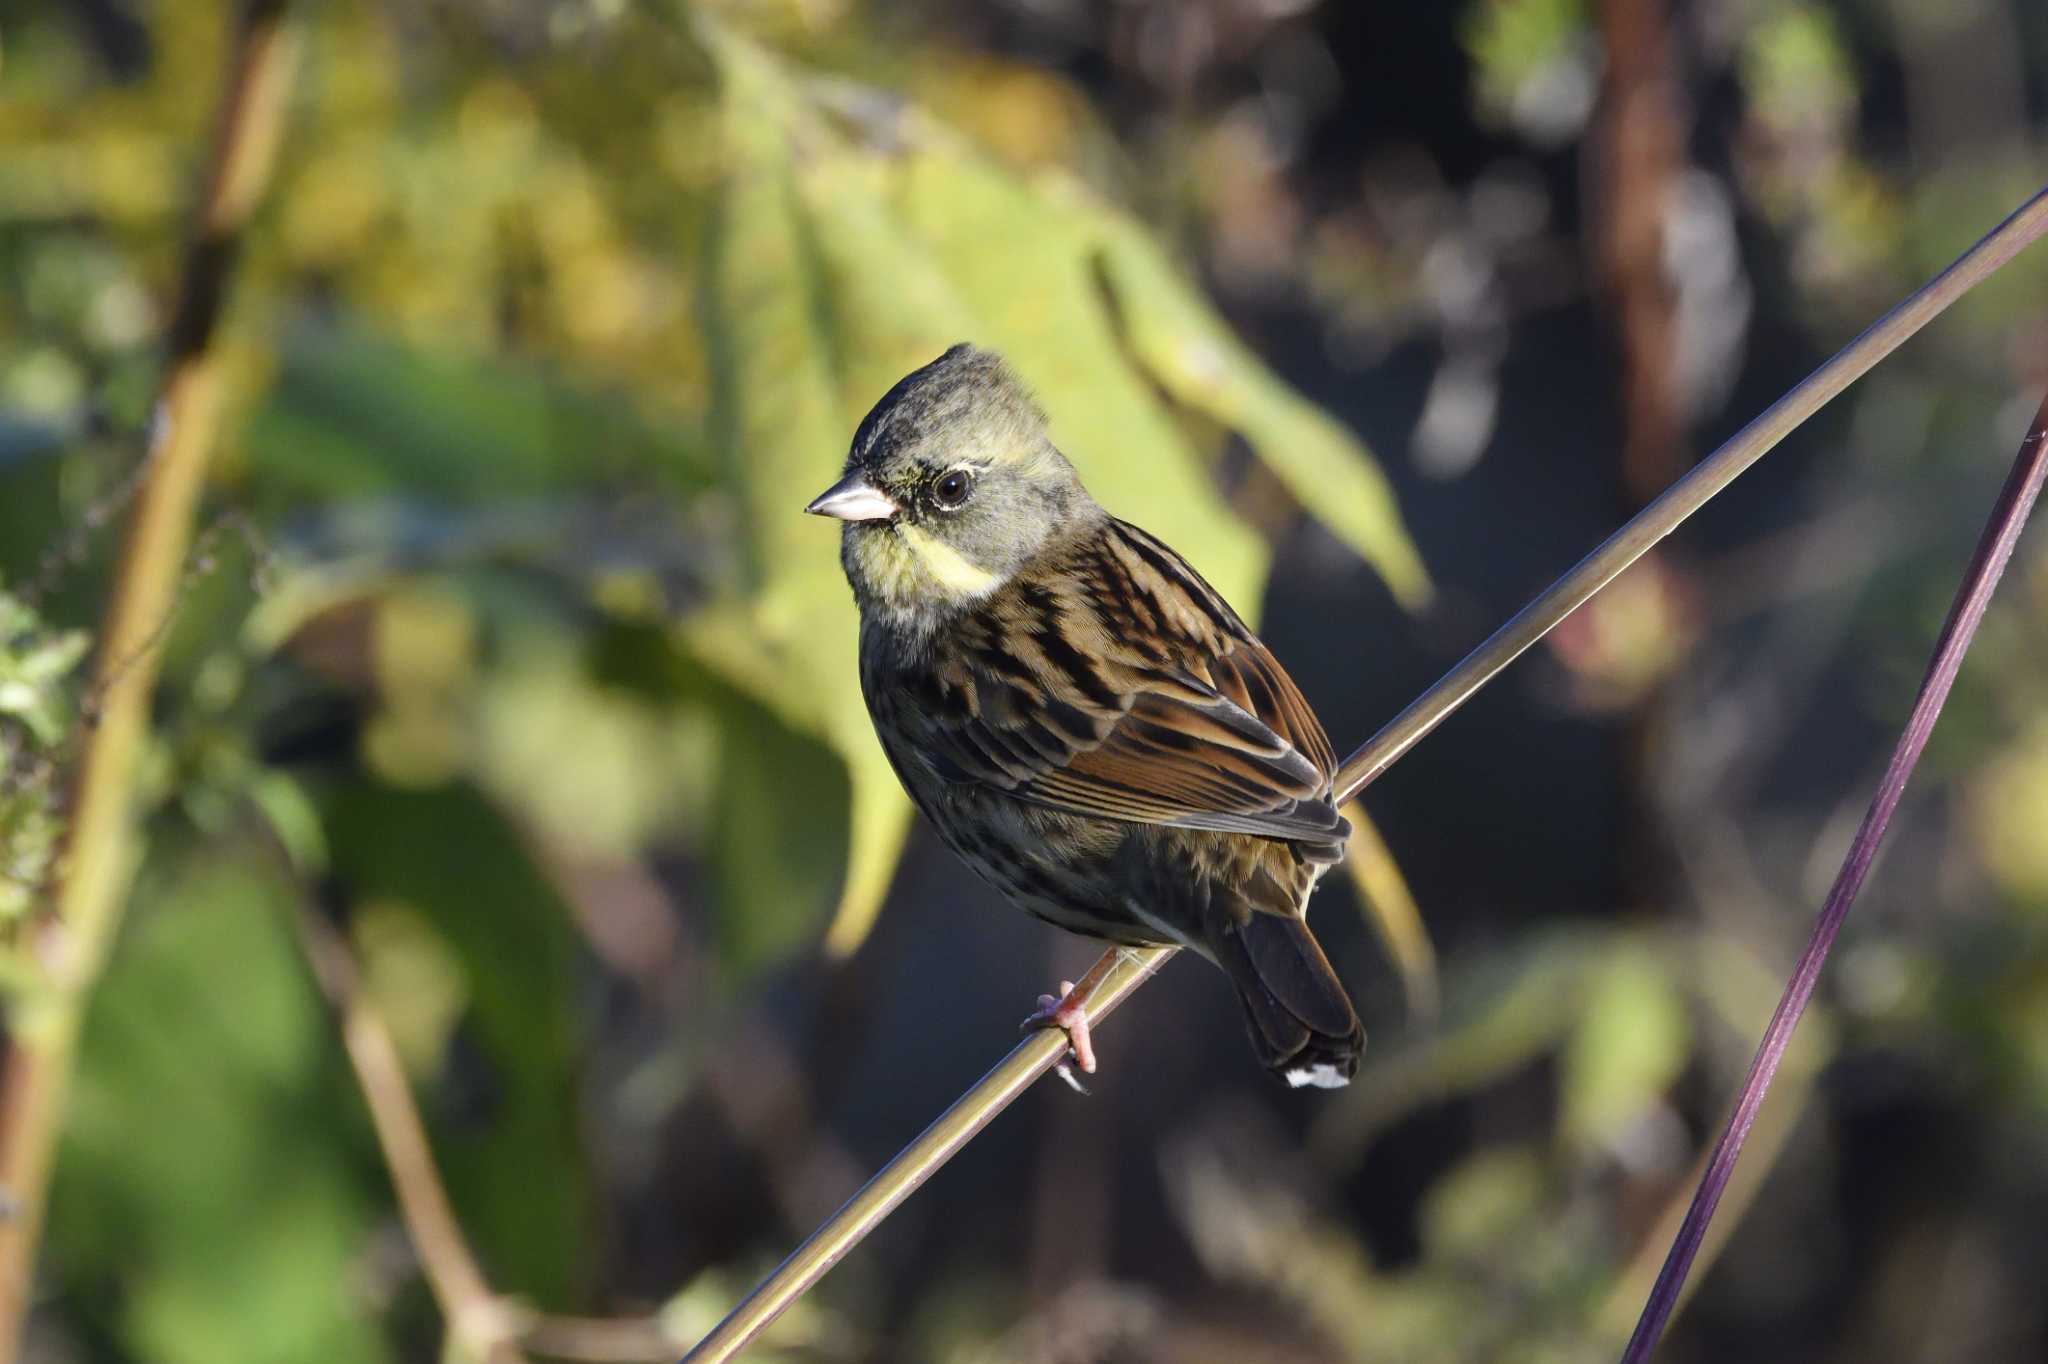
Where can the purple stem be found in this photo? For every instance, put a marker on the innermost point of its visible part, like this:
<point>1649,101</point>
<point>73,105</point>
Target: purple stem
<point>1994,548</point>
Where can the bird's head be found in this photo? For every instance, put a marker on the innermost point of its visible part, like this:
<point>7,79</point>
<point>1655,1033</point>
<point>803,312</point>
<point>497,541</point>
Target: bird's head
<point>950,489</point>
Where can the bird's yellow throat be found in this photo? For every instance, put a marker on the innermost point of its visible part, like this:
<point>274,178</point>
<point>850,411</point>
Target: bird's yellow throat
<point>909,566</point>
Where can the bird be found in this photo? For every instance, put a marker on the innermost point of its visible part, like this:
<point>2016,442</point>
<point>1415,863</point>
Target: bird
<point>1081,717</point>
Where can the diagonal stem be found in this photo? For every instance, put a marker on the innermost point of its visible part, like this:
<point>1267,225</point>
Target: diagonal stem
<point>480,1325</point>
<point>1994,549</point>
<point>1110,981</point>
<point>1122,970</point>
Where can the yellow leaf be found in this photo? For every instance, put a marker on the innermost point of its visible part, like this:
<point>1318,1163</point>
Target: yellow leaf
<point>782,423</point>
<point>1024,260</point>
<point>1392,910</point>
<point>1194,357</point>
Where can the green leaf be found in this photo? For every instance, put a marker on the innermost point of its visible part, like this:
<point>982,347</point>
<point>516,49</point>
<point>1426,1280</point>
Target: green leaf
<point>214,1180</point>
<point>777,855</point>
<point>451,858</point>
<point>1465,1211</point>
<point>1514,42</point>
<point>34,663</point>
<point>776,417</point>
<point>1628,1047</point>
<point>1502,1009</point>
<point>354,415</point>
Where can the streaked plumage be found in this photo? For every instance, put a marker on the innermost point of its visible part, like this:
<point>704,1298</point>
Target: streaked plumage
<point>1084,720</point>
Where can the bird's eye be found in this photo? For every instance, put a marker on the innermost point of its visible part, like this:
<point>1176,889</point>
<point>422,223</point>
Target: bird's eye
<point>953,490</point>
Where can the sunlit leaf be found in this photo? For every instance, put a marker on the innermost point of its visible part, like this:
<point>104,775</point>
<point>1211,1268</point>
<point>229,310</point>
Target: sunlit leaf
<point>1392,910</point>
<point>1467,1210</point>
<point>1186,348</point>
<point>1627,1048</point>
<point>1500,1012</point>
<point>2011,814</point>
<point>1524,53</point>
<point>781,427</point>
<point>37,707</point>
<point>34,661</point>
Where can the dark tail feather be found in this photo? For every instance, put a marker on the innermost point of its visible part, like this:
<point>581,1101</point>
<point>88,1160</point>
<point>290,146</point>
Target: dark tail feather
<point>1301,1021</point>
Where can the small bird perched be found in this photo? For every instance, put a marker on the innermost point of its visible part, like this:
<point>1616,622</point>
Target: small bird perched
<point>1083,719</point>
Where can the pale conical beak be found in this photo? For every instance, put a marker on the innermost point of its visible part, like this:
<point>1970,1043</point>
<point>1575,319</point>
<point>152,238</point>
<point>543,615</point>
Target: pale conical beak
<point>853,498</point>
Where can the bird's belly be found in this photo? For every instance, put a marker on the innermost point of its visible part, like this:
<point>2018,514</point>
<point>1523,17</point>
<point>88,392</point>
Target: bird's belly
<point>1070,870</point>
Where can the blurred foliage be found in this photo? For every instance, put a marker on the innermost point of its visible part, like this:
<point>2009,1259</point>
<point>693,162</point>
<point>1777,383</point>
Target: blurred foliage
<point>495,922</point>
<point>213,1153</point>
<point>36,715</point>
<point>1532,61</point>
<point>506,646</point>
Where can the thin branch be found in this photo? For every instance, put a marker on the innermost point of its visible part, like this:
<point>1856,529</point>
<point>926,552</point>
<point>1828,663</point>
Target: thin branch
<point>1635,158</point>
<point>1621,1304</point>
<point>1637,147</point>
<point>1994,549</point>
<point>1122,970</point>
<point>99,854</point>
<point>1108,983</point>
<point>480,1324</point>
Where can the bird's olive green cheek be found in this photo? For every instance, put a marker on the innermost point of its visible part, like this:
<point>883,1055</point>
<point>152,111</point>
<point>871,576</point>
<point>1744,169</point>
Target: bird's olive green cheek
<point>991,544</point>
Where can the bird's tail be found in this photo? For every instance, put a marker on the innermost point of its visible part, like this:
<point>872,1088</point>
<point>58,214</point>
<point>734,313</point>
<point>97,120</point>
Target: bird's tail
<point>1300,1020</point>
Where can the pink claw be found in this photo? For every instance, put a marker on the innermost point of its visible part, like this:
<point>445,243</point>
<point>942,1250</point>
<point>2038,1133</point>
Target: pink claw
<point>1070,1016</point>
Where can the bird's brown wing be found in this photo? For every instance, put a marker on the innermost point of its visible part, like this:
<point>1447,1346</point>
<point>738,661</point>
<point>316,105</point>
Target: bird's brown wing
<point>1115,682</point>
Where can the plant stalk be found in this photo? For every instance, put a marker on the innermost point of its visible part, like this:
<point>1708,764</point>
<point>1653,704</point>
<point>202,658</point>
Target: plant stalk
<point>479,1324</point>
<point>1994,548</point>
<point>100,850</point>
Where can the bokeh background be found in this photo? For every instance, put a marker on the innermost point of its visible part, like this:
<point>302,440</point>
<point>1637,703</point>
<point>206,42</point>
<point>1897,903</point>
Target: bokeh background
<point>505,666</point>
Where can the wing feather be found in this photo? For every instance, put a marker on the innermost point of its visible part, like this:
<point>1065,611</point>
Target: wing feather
<point>1121,685</point>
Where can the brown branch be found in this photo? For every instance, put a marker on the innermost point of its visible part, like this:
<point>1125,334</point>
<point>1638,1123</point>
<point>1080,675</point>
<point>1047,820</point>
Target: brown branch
<point>481,1325</point>
<point>1637,147</point>
<point>100,850</point>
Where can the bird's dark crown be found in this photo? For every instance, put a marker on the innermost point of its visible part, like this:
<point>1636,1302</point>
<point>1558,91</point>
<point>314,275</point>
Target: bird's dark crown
<point>966,390</point>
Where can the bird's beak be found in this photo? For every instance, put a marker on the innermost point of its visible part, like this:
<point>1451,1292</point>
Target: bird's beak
<point>853,498</point>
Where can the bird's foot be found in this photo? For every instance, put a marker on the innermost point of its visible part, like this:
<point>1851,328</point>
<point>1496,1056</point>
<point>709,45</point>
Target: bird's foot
<point>1070,1016</point>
